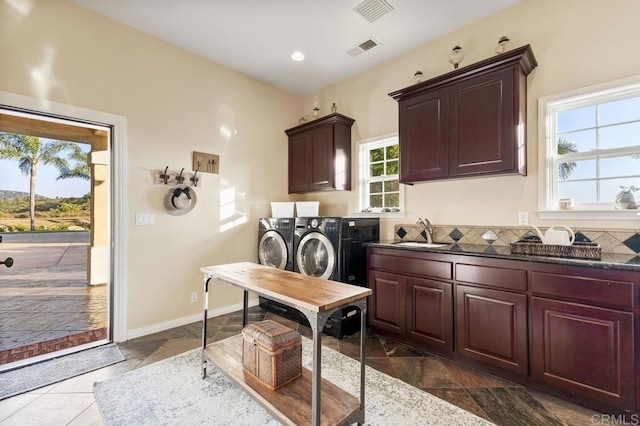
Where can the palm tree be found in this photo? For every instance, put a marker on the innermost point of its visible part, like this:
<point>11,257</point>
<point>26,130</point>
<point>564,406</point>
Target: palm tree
<point>566,147</point>
<point>29,151</point>
<point>80,170</point>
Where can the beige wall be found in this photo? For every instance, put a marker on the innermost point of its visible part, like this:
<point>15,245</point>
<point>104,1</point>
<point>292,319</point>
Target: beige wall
<point>577,43</point>
<point>175,103</point>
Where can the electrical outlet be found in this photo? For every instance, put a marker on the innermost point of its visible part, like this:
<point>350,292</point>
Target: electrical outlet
<point>194,297</point>
<point>523,218</point>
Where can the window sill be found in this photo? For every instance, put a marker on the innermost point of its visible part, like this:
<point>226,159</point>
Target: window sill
<point>382,215</point>
<point>590,214</point>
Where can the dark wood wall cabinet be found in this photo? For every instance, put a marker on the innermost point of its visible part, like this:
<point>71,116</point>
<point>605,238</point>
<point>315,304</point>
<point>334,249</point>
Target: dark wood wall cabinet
<point>572,331</point>
<point>320,154</point>
<point>469,122</point>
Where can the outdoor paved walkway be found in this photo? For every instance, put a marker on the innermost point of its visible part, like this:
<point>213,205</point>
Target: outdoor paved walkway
<point>44,295</point>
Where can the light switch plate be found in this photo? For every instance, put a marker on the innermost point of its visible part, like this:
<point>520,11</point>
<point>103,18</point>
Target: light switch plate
<point>206,163</point>
<point>145,219</point>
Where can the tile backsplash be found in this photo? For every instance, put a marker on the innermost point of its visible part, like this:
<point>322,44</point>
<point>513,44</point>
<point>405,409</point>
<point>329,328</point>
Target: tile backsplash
<point>611,240</point>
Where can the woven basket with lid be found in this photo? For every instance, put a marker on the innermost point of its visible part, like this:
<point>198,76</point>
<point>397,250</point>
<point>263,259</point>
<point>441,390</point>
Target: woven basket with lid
<point>272,353</point>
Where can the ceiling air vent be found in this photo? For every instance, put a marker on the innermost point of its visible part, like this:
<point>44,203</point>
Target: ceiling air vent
<point>373,9</point>
<point>362,47</point>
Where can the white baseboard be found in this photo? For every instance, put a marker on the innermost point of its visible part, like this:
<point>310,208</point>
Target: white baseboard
<point>178,322</point>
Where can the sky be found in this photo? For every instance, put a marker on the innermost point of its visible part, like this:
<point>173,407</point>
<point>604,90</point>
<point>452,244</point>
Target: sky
<point>618,125</point>
<point>12,179</point>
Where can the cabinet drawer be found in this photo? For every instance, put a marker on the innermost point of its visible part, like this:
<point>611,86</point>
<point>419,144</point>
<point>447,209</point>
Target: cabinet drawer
<point>617,294</point>
<point>412,266</point>
<point>512,279</point>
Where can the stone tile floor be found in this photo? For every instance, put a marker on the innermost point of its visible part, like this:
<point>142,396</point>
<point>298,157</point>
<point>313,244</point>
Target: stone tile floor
<point>71,402</point>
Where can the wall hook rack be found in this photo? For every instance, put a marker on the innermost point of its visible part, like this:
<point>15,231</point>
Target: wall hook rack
<point>174,177</point>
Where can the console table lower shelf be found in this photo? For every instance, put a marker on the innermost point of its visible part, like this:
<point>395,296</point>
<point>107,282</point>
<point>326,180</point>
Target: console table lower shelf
<point>291,404</point>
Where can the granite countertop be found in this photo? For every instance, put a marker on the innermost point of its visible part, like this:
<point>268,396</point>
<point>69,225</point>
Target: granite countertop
<point>609,260</point>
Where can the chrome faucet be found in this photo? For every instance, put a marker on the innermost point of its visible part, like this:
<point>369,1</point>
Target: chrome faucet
<point>428,228</point>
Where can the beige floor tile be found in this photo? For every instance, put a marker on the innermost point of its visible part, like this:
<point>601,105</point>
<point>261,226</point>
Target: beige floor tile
<point>11,405</point>
<point>52,410</point>
<point>89,417</point>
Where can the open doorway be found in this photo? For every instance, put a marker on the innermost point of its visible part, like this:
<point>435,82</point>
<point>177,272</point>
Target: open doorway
<point>56,298</point>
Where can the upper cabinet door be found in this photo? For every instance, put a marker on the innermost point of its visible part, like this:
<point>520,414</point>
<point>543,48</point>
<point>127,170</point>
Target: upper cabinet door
<point>320,154</point>
<point>469,122</point>
<point>298,181</point>
<point>423,131</point>
<point>321,159</point>
<point>483,126</point>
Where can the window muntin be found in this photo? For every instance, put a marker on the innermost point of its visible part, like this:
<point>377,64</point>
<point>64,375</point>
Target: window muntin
<point>592,146</point>
<point>379,181</point>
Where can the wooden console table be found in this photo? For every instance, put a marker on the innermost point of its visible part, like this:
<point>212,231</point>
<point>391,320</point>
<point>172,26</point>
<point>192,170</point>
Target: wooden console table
<point>317,299</point>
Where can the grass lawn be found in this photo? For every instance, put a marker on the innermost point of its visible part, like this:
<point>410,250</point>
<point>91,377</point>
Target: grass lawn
<point>11,224</point>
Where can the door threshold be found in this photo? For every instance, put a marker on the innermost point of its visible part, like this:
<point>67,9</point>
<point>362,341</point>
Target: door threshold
<point>51,355</point>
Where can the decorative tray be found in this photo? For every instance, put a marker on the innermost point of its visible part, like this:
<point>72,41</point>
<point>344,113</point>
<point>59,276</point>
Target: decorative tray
<point>578,250</point>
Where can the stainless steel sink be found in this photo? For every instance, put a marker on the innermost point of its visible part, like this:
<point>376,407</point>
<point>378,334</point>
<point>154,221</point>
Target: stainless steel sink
<point>420,244</point>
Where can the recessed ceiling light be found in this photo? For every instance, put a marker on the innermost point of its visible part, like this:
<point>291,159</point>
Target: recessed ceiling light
<point>297,56</point>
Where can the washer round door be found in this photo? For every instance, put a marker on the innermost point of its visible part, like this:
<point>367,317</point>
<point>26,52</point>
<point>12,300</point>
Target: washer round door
<point>272,250</point>
<point>315,255</point>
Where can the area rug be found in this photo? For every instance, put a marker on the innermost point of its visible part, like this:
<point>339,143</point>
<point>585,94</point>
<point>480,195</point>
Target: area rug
<point>54,370</point>
<point>172,392</point>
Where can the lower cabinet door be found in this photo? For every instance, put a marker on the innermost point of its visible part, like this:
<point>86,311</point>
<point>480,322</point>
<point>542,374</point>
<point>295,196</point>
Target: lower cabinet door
<point>491,327</point>
<point>585,350</point>
<point>430,313</point>
<point>387,307</point>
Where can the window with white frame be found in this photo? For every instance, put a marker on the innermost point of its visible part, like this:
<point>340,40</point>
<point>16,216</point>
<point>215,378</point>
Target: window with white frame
<point>379,187</point>
<point>591,148</point>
